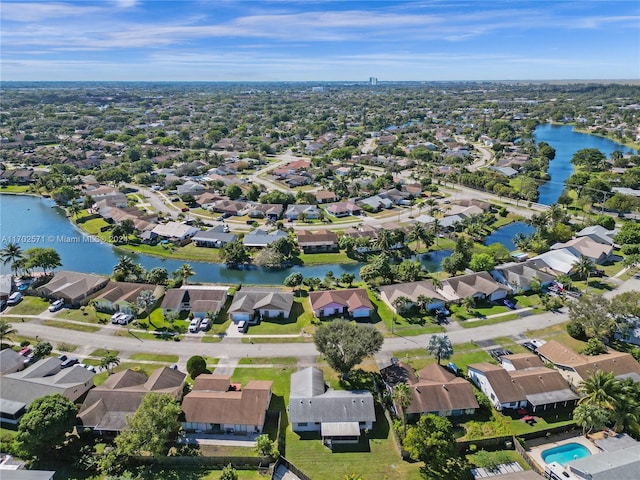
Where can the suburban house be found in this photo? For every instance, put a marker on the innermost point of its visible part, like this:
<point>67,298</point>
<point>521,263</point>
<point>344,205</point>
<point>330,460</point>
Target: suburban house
<point>518,276</point>
<point>351,302</point>
<point>598,233</point>
<point>339,416</point>
<point>617,463</point>
<point>310,212</point>
<point>6,286</point>
<point>325,196</point>
<point>557,262</point>
<point>343,209</point>
<point>106,408</point>
<point>630,332</point>
<point>422,289</point>
<point>175,232</point>
<point>216,406</point>
<point>229,206</point>
<point>215,237</point>
<point>200,300</point>
<point>72,287</point>
<point>584,246</point>
<point>11,361</point>
<point>261,238</point>
<point>121,295</point>
<point>208,199</point>
<point>270,211</point>
<point>190,188</point>
<point>449,222</point>
<point>531,386</point>
<point>575,367</point>
<point>376,203</point>
<point>45,377</point>
<point>252,305</point>
<point>319,241</point>
<point>479,285</point>
<point>434,390</point>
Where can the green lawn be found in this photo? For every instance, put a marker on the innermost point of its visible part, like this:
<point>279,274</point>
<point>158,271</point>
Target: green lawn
<point>376,459</point>
<point>500,456</point>
<point>299,319</point>
<point>145,368</point>
<point>101,352</point>
<point>558,333</point>
<point>325,258</point>
<point>268,361</point>
<point>83,314</point>
<point>489,321</point>
<point>306,339</point>
<point>70,326</point>
<point>29,306</point>
<point>155,357</point>
<point>463,355</point>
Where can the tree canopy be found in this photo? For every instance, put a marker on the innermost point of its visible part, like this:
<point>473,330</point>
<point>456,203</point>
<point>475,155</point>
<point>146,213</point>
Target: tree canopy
<point>345,344</point>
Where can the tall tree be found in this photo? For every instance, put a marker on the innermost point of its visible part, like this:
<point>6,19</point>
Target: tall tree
<point>152,429</point>
<point>10,254</point>
<point>432,441</point>
<point>146,301</point>
<point>184,272</point>
<point>584,266</point>
<point>6,330</point>
<point>601,389</point>
<point>109,361</point>
<point>345,344</point>
<point>590,417</point>
<point>294,280</point>
<point>45,425</point>
<point>402,397</point>
<point>440,347</point>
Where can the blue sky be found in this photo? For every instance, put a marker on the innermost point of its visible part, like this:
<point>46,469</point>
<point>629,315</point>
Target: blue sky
<point>244,40</point>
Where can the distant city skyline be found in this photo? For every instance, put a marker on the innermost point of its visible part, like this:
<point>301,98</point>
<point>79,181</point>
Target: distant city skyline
<point>326,40</point>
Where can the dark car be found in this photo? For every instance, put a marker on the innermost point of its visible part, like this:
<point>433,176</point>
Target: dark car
<point>529,346</point>
<point>596,272</point>
<point>509,304</point>
<point>226,215</point>
<point>184,209</point>
<point>69,362</point>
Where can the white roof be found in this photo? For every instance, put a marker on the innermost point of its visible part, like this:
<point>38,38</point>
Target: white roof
<point>561,260</point>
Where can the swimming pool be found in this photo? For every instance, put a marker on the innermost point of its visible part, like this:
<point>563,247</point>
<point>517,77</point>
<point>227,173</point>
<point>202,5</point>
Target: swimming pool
<point>565,453</point>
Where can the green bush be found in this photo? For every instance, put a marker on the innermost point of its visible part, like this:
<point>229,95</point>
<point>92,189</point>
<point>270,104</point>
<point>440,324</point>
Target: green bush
<point>196,365</point>
<point>576,330</point>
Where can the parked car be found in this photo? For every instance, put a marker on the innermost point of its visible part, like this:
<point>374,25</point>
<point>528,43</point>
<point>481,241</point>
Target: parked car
<point>243,326</point>
<point>226,215</point>
<point>69,362</point>
<point>62,358</point>
<point>509,304</point>
<point>184,209</point>
<point>194,326</point>
<point>57,305</point>
<point>530,346</point>
<point>442,312</point>
<point>115,317</point>
<point>596,272</point>
<point>125,318</point>
<point>204,325</point>
<point>25,352</point>
<point>15,298</point>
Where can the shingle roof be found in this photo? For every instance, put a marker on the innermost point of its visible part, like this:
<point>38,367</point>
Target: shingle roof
<point>412,291</point>
<point>437,389</point>
<point>245,407</point>
<point>251,301</point>
<point>352,298</point>
<point>320,237</point>
<point>520,361</point>
<point>72,285</point>
<point>470,285</point>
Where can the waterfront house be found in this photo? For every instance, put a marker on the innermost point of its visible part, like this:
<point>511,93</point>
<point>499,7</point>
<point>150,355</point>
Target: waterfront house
<point>339,416</point>
<point>119,296</point>
<point>598,234</point>
<point>586,247</point>
<point>519,276</point>
<point>175,232</point>
<point>252,305</point>
<point>351,302</point>
<point>557,262</point>
<point>215,237</point>
<point>412,291</point>
<point>478,285</point>
<point>106,407</point>
<point>200,300</point>
<point>261,238</point>
<point>216,406</point>
<point>73,287</point>
<point>319,241</point>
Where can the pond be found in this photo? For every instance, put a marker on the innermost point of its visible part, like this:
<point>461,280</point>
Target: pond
<point>504,235</point>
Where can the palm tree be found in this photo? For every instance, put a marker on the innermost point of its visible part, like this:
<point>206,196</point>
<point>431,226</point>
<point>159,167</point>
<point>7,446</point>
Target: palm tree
<point>416,234</point>
<point>584,266</point>
<point>109,361</point>
<point>402,397</point>
<point>6,329</point>
<point>146,301</point>
<point>601,389</point>
<point>12,253</point>
<point>424,301</point>
<point>400,303</point>
<point>626,415</point>
<point>184,272</point>
<point>437,284</point>
<point>124,267</point>
<point>440,347</point>
<point>74,209</point>
<point>469,303</point>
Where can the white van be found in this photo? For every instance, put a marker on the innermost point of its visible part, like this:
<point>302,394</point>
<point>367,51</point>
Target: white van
<point>194,326</point>
<point>242,326</point>
<point>14,299</point>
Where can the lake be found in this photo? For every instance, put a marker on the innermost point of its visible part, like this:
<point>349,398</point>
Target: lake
<point>36,222</point>
<point>504,235</point>
<point>566,141</point>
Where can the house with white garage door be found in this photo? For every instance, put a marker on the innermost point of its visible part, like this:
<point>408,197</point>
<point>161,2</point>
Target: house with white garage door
<point>251,306</point>
<point>351,302</point>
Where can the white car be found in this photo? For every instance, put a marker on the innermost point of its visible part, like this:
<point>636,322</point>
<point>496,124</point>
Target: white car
<point>194,326</point>
<point>116,317</point>
<point>57,305</point>
<point>204,325</point>
<point>125,318</point>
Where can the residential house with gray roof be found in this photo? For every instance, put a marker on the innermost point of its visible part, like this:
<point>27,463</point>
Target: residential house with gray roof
<point>73,287</point>
<point>310,212</point>
<point>215,237</point>
<point>45,377</point>
<point>519,276</point>
<point>261,238</point>
<point>197,299</point>
<point>251,305</point>
<point>339,416</point>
